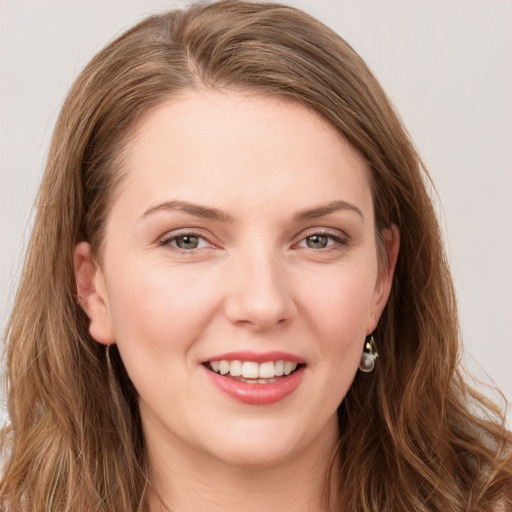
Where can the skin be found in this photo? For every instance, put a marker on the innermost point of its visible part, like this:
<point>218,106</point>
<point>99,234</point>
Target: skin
<point>254,282</point>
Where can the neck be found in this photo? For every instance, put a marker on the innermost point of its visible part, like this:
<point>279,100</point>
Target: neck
<point>192,482</point>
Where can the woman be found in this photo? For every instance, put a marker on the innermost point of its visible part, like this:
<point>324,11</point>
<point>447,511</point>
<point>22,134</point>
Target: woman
<point>235,294</point>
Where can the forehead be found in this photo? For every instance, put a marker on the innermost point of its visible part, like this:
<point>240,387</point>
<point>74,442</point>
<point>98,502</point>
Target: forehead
<point>224,147</point>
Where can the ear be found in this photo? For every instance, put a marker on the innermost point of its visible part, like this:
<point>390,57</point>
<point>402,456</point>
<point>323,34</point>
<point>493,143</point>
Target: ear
<point>391,242</point>
<point>92,295</point>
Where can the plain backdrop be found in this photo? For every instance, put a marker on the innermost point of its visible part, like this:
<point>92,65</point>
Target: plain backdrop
<point>447,65</point>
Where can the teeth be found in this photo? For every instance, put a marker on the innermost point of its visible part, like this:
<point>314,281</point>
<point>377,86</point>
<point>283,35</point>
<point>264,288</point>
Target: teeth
<point>224,367</point>
<point>266,370</point>
<point>252,370</point>
<point>289,367</point>
<point>235,368</point>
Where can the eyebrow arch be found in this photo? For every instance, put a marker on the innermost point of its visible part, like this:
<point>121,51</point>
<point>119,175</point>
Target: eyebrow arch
<point>332,207</point>
<point>192,209</point>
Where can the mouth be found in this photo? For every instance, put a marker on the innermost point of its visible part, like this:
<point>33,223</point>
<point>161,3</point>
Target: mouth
<point>252,372</point>
<point>254,378</point>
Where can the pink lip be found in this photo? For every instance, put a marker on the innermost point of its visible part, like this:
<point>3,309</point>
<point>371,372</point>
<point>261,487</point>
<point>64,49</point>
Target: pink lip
<point>257,357</point>
<point>257,394</point>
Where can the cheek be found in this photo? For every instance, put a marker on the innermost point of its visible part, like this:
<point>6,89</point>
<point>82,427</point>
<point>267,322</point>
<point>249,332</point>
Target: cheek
<point>159,312</point>
<point>337,311</point>
<point>339,300</point>
<point>160,308</point>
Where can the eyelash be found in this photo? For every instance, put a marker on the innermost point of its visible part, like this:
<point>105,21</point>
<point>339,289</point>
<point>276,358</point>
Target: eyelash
<point>338,240</point>
<point>167,241</point>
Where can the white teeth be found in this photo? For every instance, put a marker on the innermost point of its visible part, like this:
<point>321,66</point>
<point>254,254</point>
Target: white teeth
<point>250,370</point>
<point>265,372</point>
<point>224,367</point>
<point>235,368</point>
<point>289,367</point>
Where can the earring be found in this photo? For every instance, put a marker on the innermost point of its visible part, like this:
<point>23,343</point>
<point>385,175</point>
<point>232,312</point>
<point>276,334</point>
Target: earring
<point>109,362</point>
<point>369,355</point>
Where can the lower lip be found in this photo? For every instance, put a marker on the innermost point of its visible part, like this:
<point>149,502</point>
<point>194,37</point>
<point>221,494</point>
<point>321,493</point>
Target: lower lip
<point>257,394</point>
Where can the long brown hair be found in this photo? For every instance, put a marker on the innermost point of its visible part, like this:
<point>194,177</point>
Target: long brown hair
<point>411,436</point>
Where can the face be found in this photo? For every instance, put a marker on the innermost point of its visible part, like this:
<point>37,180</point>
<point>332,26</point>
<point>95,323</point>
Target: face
<point>238,277</point>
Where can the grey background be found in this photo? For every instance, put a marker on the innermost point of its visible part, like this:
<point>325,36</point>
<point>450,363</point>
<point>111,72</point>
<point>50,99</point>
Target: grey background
<point>447,65</point>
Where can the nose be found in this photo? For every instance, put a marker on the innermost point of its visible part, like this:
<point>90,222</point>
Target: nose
<point>260,294</point>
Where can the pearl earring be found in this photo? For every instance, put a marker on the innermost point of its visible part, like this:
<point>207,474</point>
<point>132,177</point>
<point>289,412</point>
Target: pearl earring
<point>369,355</point>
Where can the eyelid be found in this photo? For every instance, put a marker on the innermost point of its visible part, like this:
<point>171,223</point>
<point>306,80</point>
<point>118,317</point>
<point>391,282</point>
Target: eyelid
<point>318,230</point>
<point>166,239</point>
<point>340,238</point>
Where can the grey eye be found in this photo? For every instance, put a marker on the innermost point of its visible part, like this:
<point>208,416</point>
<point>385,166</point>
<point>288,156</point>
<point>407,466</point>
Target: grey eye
<point>317,241</point>
<point>187,242</point>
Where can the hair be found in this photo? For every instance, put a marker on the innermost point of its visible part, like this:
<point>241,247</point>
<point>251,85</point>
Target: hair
<point>414,435</point>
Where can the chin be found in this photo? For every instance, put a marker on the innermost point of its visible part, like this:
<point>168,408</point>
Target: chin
<point>253,456</point>
<point>256,447</point>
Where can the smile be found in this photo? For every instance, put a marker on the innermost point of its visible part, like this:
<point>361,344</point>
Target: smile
<point>253,372</point>
<point>255,378</point>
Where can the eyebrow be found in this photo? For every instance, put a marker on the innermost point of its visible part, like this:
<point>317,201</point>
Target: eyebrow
<point>222,216</point>
<point>192,209</point>
<point>327,209</point>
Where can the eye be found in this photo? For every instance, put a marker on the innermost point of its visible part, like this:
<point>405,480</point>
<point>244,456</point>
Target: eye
<point>186,241</point>
<point>317,241</point>
<point>321,240</point>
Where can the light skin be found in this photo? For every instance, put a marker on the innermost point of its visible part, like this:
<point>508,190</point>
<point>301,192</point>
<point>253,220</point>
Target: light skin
<point>281,255</point>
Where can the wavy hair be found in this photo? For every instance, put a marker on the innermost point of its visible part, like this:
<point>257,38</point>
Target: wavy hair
<point>414,435</point>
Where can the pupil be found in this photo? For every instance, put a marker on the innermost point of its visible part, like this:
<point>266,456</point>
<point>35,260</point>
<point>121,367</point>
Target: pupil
<point>187,242</point>
<point>317,241</point>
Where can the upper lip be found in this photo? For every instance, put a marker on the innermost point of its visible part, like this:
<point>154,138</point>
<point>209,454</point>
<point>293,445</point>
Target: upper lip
<point>257,357</point>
